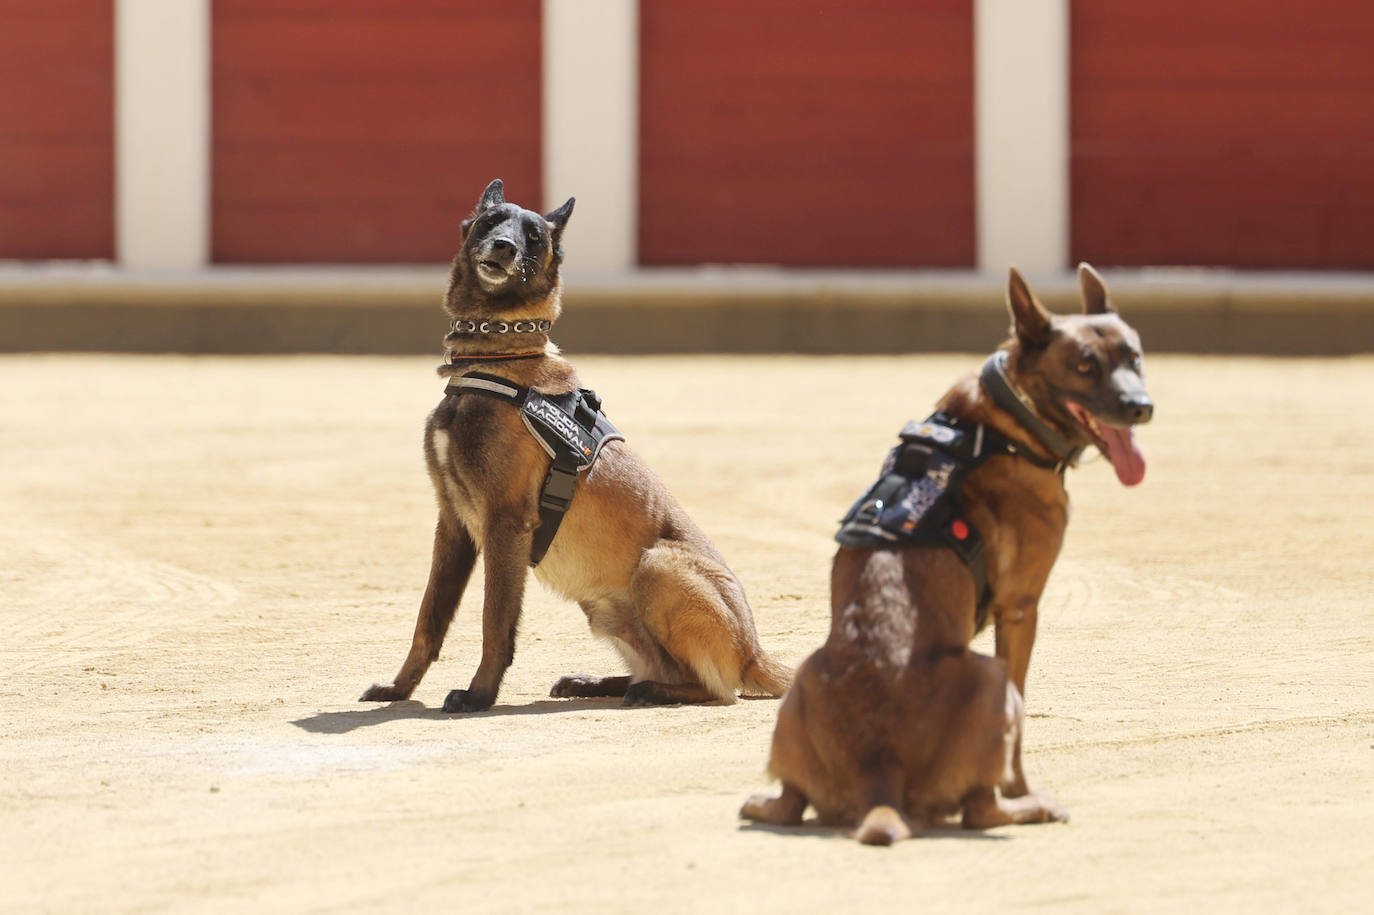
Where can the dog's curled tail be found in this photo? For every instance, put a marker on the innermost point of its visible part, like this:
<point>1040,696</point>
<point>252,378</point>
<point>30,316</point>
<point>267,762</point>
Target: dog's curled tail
<point>765,677</point>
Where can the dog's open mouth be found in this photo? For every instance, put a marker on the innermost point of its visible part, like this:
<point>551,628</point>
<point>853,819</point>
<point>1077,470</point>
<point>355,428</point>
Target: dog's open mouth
<point>1116,442</point>
<point>491,271</point>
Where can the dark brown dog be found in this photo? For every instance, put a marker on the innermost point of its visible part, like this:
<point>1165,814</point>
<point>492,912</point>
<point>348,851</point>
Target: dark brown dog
<point>894,723</point>
<point>645,575</point>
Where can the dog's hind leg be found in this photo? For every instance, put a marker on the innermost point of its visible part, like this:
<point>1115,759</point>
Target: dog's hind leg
<point>984,808</point>
<point>691,607</point>
<point>454,556</point>
<point>615,620</point>
<point>585,686</point>
<point>784,810</point>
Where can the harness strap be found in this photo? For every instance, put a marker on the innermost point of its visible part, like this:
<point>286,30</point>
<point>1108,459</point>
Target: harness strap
<point>981,442</point>
<point>1012,399</point>
<point>569,427</point>
<point>452,358</point>
<point>918,499</point>
<point>962,537</point>
<point>972,444</point>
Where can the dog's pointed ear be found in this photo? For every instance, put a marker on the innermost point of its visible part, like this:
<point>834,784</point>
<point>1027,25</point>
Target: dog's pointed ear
<point>559,218</point>
<point>1096,299</point>
<point>1030,319</point>
<point>494,195</point>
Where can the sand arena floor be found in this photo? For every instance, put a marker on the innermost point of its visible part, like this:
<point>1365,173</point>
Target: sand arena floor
<point>204,561</point>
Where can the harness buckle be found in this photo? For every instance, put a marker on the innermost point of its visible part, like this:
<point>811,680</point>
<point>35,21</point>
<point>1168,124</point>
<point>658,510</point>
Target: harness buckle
<point>557,492</point>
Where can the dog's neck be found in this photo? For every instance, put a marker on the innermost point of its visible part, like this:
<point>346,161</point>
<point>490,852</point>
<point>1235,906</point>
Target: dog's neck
<point>483,342</point>
<point>528,358</point>
<point>998,385</point>
<point>971,401</point>
<point>487,330</point>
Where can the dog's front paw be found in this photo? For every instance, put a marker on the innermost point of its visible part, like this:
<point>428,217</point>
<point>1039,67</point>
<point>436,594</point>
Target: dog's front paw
<point>384,692</point>
<point>467,700</point>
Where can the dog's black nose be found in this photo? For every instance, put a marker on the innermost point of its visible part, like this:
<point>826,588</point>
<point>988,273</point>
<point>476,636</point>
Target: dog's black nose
<point>1138,408</point>
<point>502,246</point>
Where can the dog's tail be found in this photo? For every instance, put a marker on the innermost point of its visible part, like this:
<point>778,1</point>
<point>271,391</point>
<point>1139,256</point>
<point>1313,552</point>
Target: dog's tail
<point>883,826</point>
<point>763,676</point>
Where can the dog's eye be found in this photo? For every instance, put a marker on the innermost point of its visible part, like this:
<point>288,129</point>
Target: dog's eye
<point>532,235</point>
<point>1086,367</point>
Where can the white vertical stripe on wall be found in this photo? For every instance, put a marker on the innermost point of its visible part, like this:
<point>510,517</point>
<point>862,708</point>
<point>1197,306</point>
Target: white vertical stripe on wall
<point>591,127</point>
<point>162,133</point>
<point>1021,98</point>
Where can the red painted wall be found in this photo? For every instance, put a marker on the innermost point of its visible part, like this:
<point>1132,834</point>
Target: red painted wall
<point>365,130</point>
<point>813,134</point>
<point>1237,132</point>
<point>56,129</point>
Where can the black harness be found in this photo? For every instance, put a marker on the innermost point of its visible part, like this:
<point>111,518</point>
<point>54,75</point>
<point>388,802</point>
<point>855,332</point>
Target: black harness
<point>570,427</point>
<point>918,499</point>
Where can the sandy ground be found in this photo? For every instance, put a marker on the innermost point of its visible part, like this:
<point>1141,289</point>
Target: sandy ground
<point>203,561</point>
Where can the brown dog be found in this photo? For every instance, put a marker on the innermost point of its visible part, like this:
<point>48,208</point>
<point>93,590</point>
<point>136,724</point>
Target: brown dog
<point>645,575</point>
<point>894,723</point>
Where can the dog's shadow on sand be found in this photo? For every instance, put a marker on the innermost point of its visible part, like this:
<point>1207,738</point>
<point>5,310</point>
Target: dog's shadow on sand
<point>812,828</point>
<point>373,715</point>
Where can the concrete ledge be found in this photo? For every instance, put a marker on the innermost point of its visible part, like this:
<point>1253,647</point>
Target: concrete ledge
<point>725,310</point>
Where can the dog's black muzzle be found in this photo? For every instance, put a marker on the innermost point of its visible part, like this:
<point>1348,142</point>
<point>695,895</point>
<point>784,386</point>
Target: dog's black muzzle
<point>499,252</point>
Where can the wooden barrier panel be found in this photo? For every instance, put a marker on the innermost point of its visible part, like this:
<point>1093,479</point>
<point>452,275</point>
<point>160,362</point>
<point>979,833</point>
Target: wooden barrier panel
<point>818,134</point>
<point>365,130</point>
<point>56,129</point>
<point>1234,133</point>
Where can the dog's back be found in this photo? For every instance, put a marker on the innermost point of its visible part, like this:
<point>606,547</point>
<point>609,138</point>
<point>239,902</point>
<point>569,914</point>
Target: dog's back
<point>894,696</point>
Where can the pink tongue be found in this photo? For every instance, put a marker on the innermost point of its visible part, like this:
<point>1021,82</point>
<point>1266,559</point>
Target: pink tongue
<point>1125,454</point>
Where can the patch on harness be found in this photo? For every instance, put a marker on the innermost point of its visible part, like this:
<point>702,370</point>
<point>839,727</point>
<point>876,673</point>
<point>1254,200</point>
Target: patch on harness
<point>557,431</point>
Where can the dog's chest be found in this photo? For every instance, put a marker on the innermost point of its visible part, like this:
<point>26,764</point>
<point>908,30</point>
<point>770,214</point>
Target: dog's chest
<point>499,451</point>
<point>481,461</point>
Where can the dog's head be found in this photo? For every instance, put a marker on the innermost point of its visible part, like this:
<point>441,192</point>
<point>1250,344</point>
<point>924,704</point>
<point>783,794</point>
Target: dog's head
<point>509,260</point>
<point>1084,373</point>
